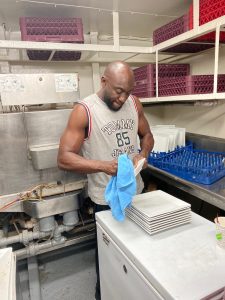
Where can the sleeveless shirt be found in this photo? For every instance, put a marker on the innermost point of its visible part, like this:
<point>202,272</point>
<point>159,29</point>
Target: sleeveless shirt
<point>110,133</point>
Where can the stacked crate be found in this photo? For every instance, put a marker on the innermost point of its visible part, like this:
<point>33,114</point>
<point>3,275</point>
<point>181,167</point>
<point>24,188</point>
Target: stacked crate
<point>208,11</point>
<point>188,85</point>
<point>145,77</point>
<point>52,29</point>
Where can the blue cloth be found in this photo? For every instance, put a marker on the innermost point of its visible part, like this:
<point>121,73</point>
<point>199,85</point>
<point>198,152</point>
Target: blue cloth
<point>121,188</point>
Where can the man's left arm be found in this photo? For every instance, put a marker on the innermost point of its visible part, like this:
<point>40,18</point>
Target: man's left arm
<point>144,133</point>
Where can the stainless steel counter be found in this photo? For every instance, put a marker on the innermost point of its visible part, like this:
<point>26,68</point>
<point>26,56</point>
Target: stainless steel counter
<point>213,193</point>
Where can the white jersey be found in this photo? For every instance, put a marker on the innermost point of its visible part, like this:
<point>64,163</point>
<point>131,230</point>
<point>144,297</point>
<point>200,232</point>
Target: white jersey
<point>110,133</point>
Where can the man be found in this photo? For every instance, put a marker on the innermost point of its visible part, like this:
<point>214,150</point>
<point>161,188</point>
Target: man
<point>103,126</point>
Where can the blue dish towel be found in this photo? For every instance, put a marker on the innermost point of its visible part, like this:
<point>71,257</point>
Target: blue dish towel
<point>121,188</point>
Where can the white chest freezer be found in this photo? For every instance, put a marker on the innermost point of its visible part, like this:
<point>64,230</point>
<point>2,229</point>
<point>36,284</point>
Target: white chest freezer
<point>182,263</point>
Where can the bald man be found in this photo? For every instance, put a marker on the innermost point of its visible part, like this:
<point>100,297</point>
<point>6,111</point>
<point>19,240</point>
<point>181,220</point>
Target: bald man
<point>103,126</point>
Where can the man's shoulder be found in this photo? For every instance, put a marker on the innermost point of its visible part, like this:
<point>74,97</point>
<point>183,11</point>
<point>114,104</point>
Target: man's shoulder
<point>89,100</point>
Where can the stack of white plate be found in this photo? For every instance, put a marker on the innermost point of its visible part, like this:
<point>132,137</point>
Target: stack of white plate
<point>158,211</point>
<point>7,274</point>
<point>167,137</point>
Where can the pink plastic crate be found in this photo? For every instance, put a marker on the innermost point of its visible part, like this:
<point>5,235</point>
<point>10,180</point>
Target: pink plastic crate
<point>189,48</point>
<point>52,29</point>
<point>144,86</point>
<point>192,84</point>
<point>209,37</point>
<point>210,10</point>
<point>171,29</point>
<point>185,23</point>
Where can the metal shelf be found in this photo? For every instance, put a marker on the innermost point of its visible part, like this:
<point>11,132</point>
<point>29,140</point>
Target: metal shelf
<point>189,35</point>
<point>4,44</point>
<point>184,98</point>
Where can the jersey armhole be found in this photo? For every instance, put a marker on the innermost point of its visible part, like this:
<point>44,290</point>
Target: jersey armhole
<point>134,102</point>
<point>89,119</point>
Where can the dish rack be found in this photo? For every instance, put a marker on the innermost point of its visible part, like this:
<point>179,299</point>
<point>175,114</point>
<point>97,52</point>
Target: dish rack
<point>194,165</point>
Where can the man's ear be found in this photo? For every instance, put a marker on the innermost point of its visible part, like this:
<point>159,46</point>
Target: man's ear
<point>103,81</point>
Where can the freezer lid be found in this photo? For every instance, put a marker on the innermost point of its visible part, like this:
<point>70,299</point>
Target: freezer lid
<point>181,263</point>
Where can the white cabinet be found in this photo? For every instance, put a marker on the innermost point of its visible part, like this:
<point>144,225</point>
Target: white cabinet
<point>120,278</point>
<point>182,263</point>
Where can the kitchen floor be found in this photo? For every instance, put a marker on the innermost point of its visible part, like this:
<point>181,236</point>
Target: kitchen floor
<point>64,275</point>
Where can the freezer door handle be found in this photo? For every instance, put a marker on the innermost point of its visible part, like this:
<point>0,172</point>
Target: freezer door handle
<point>105,239</point>
<point>125,269</point>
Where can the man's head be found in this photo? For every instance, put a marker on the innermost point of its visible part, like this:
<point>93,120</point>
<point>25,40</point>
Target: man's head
<point>117,83</point>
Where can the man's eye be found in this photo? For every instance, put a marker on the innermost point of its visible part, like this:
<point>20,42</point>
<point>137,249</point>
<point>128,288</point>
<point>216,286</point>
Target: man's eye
<point>119,91</point>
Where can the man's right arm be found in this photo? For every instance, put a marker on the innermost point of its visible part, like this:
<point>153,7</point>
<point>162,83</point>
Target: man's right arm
<point>70,145</point>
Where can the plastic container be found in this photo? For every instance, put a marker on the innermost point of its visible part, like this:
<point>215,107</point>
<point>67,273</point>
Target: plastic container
<point>52,29</point>
<point>144,85</point>
<point>194,165</point>
<point>192,84</point>
<point>210,10</point>
<point>171,29</point>
<point>189,48</point>
<point>220,231</point>
<point>154,157</point>
<point>209,37</point>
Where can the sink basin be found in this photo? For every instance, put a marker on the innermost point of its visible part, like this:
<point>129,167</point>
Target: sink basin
<point>52,205</point>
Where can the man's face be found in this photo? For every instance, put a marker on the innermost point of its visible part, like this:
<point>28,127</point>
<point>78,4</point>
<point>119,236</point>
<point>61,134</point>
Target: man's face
<point>116,94</point>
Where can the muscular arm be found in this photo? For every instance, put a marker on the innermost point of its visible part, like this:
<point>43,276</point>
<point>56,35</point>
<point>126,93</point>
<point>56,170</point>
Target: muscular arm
<point>144,132</point>
<point>70,145</point>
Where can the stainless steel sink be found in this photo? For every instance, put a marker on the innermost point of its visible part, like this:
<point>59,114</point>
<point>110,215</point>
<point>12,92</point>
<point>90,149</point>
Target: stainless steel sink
<point>52,205</point>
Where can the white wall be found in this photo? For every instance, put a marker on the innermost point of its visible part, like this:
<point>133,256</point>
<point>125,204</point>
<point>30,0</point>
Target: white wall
<point>84,71</point>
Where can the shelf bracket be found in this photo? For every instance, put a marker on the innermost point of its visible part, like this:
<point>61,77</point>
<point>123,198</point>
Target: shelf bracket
<point>216,58</point>
<point>116,36</point>
<point>196,13</point>
<point>157,73</point>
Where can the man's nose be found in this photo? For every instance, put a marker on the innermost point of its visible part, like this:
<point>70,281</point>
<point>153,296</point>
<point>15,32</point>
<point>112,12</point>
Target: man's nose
<point>123,97</point>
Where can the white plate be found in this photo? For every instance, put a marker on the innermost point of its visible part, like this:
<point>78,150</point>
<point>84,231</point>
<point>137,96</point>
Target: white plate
<point>162,216</point>
<point>162,224</point>
<point>151,232</point>
<point>156,203</point>
<point>162,221</point>
<point>5,269</point>
<point>140,164</point>
<point>161,142</point>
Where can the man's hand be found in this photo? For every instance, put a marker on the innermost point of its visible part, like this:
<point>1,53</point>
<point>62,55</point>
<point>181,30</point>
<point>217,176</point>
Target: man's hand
<point>110,167</point>
<point>137,158</point>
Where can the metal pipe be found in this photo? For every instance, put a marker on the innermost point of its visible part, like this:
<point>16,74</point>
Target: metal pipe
<point>34,280</point>
<point>47,224</point>
<point>26,236</point>
<point>70,218</point>
<point>36,249</point>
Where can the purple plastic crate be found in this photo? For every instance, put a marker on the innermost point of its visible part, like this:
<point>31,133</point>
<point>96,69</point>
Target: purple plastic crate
<point>58,56</point>
<point>170,30</point>
<point>52,29</point>
<point>187,85</point>
<point>145,86</point>
<point>189,48</point>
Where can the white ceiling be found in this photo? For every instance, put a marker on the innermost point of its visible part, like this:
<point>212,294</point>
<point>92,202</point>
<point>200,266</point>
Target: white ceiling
<point>98,20</point>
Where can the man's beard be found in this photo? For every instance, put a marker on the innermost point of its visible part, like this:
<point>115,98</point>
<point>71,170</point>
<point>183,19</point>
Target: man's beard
<point>109,103</point>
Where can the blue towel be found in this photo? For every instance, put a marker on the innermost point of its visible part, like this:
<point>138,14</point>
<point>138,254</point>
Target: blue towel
<point>121,188</point>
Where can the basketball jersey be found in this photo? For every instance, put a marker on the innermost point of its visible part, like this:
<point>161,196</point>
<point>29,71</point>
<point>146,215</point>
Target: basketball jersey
<point>110,133</point>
